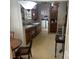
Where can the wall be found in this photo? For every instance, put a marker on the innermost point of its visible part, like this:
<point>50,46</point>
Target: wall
<point>28,14</point>
<point>15,19</point>
<point>66,54</point>
<point>61,13</point>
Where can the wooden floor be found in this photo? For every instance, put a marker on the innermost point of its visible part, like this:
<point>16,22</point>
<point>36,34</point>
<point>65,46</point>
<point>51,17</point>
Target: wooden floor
<point>44,46</point>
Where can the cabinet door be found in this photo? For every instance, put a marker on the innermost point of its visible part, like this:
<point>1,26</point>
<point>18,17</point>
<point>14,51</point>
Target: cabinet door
<point>33,32</point>
<point>53,18</point>
<point>53,27</point>
<point>27,35</point>
<point>39,28</point>
<point>34,14</point>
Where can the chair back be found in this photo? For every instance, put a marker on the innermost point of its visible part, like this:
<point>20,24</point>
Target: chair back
<point>29,45</point>
<point>60,33</point>
<point>60,30</point>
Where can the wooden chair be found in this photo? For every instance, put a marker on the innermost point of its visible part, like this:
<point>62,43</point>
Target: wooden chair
<point>60,38</point>
<point>24,51</point>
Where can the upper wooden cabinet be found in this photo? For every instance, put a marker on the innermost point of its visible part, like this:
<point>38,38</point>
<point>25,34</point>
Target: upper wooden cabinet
<point>35,13</point>
<point>53,12</point>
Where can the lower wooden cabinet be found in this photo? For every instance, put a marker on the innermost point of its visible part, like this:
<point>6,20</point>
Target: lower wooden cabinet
<point>38,29</point>
<point>28,35</point>
<point>32,32</point>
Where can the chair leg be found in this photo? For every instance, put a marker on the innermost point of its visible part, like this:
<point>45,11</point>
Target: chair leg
<point>55,48</point>
<point>21,57</point>
<point>28,56</point>
<point>63,51</point>
<point>31,53</point>
<point>18,57</point>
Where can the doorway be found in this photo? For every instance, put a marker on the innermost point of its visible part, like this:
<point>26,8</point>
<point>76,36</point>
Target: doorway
<point>43,44</point>
<point>44,15</point>
<point>45,23</point>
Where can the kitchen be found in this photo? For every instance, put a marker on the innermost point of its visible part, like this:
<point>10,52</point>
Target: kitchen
<point>32,24</point>
<point>34,18</point>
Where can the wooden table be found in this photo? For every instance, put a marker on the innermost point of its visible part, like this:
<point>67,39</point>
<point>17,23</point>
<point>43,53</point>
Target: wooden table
<point>15,43</point>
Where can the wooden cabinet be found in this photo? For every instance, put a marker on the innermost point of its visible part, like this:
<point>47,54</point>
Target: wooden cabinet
<point>35,13</point>
<point>53,27</point>
<point>53,18</point>
<point>28,35</point>
<point>38,29</point>
<point>32,32</point>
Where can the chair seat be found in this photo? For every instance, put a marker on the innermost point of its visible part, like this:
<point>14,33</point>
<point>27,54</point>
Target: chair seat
<point>22,51</point>
<point>58,40</point>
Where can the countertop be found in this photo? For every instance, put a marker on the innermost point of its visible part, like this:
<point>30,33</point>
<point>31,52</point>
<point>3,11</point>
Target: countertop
<point>31,25</point>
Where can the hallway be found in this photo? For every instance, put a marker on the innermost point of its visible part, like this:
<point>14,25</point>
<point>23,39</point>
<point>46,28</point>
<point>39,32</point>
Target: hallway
<point>44,46</point>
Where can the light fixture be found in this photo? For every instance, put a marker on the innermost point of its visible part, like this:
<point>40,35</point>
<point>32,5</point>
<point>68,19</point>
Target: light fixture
<point>27,4</point>
<point>51,4</point>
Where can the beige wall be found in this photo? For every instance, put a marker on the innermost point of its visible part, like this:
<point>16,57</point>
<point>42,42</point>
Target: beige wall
<point>66,54</point>
<point>61,13</point>
<point>15,19</point>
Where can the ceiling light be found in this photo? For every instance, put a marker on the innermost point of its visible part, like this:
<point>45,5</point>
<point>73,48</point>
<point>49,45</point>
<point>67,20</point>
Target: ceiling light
<point>27,4</point>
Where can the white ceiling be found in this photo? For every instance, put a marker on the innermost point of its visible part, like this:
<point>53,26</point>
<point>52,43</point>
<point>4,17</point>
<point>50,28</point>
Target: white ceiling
<point>43,0</point>
<point>27,4</point>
